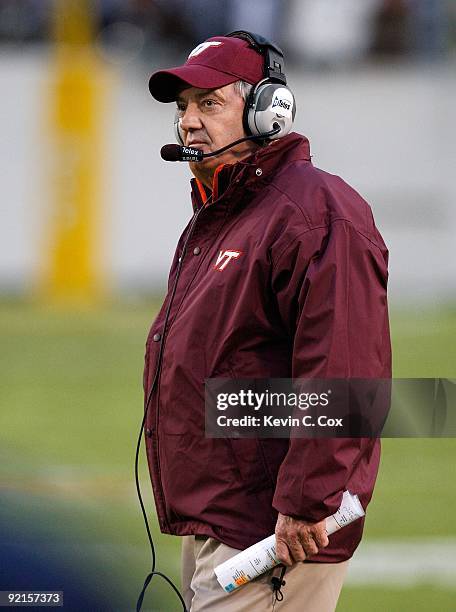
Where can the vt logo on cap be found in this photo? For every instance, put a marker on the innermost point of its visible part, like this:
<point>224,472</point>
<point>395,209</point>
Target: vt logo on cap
<point>200,48</point>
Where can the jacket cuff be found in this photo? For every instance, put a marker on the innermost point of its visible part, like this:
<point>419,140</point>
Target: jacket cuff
<point>310,510</point>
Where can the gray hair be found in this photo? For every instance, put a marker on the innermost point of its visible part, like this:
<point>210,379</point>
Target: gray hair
<point>243,89</point>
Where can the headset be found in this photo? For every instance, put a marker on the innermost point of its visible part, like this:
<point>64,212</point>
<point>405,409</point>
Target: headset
<point>270,102</point>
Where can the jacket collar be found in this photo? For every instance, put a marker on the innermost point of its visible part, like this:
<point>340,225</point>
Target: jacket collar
<point>253,172</point>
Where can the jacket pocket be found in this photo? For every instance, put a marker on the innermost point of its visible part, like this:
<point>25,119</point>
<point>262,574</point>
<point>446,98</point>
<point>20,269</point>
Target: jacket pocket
<point>250,464</point>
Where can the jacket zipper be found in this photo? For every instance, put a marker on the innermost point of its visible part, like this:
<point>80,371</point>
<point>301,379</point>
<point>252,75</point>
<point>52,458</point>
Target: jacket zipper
<point>157,376</point>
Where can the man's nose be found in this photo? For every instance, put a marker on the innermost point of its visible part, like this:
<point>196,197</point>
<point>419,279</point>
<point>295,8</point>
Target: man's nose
<point>191,119</point>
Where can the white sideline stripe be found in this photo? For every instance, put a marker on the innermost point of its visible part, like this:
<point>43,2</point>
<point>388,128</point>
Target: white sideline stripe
<point>397,563</point>
<point>388,564</point>
<point>404,563</point>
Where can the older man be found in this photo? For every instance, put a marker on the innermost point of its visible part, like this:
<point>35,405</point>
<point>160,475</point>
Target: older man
<point>280,273</point>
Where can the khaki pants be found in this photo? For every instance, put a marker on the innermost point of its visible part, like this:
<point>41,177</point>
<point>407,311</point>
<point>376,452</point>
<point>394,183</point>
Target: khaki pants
<point>310,587</point>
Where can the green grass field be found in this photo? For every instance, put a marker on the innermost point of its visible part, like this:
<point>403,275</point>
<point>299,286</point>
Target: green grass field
<point>71,404</point>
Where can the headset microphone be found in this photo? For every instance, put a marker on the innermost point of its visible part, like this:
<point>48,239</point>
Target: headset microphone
<point>174,152</point>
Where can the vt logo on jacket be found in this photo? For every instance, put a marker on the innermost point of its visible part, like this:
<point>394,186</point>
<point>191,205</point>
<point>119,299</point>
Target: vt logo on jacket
<point>224,258</point>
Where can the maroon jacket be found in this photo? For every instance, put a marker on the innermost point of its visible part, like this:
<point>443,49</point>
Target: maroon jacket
<point>305,297</point>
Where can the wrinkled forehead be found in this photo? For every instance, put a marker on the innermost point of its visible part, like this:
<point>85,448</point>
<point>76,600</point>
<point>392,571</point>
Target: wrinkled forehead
<point>186,93</point>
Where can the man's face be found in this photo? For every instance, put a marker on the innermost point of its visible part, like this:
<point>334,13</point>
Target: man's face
<point>211,119</point>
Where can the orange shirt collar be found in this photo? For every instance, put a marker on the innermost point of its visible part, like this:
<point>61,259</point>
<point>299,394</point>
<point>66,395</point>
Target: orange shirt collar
<point>203,190</point>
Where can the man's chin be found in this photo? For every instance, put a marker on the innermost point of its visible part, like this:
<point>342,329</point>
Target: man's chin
<point>202,170</point>
<point>206,163</point>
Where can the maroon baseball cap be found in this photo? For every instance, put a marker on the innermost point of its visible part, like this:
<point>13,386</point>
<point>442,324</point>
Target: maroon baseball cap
<point>214,63</point>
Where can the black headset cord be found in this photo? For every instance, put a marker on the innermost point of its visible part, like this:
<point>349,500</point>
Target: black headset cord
<point>275,130</point>
<point>277,583</point>
<point>153,571</point>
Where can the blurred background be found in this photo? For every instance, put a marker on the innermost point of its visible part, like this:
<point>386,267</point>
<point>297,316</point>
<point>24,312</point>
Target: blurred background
<point>90,216</point>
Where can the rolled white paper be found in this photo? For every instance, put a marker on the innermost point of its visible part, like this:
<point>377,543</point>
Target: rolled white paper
<point>261,557</point>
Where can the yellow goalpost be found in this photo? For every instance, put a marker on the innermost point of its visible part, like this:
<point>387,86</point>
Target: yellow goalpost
<point>72,266</point>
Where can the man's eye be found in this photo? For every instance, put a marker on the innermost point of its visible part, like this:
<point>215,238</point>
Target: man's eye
<point>181,108</point>
<point>208,103</point>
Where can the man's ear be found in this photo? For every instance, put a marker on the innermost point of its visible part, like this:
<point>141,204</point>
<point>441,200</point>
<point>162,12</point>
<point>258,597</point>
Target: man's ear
<point>178,133</point>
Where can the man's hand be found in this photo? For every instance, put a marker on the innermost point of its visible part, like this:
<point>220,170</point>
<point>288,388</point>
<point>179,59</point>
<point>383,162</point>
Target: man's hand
<point>296,540</point>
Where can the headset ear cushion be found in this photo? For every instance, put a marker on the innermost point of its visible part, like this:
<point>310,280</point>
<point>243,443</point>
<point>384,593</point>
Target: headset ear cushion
<point>247,109</point>
<point>273,104</point>
<point>178,130</point>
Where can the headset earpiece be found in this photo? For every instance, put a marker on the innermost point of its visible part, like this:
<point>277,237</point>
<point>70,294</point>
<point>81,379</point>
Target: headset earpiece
<point>178,130</point>
<point>268,105</point>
